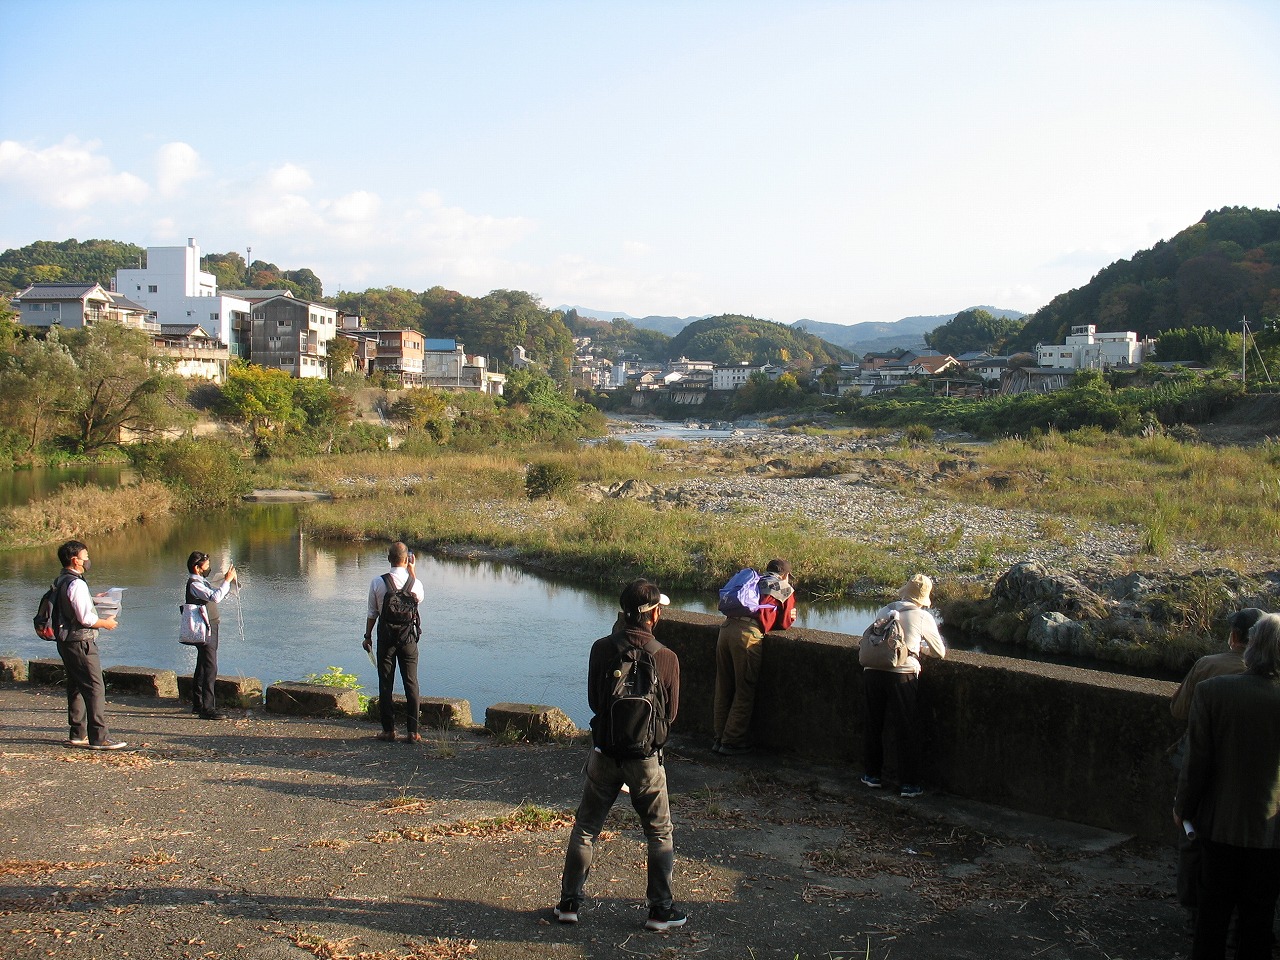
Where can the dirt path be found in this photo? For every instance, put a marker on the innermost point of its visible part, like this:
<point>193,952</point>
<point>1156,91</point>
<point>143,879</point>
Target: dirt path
<point>271,837</point>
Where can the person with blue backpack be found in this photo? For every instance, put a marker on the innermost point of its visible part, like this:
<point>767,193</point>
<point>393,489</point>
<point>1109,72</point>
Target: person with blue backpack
<point>753,605</point>
<point>633,689</point>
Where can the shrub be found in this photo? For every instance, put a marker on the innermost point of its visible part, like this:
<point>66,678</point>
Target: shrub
<point>206,472</point>
<point>549,479</point>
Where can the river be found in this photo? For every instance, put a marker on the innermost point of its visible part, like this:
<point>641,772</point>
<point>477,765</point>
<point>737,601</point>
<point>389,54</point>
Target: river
<point>492,632</point>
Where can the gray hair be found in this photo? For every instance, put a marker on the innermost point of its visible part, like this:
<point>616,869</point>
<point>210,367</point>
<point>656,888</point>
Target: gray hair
<point>1262,656</point>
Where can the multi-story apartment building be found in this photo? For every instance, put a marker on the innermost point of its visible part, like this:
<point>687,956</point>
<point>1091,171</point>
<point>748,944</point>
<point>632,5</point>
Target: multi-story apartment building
<point>173,286</point>
<point>292,335</point>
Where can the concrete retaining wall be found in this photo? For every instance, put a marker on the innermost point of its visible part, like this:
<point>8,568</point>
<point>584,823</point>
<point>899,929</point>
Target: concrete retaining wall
<point>1059,741</point>
<point>1063,742</point>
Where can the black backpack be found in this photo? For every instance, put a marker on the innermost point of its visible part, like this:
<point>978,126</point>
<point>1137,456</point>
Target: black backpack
<point>634,708</point>
<point>399,617</point>
<point>48,618</point>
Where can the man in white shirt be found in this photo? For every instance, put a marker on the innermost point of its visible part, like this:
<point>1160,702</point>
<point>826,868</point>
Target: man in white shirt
<point>77,624</point>
<point>393,606</point>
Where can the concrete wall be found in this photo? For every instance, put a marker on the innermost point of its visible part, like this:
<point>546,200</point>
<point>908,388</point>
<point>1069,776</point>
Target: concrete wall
<point>1058,741</point>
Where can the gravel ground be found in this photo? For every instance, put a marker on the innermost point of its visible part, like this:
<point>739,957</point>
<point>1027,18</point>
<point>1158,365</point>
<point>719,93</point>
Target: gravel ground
<point>287,838</point>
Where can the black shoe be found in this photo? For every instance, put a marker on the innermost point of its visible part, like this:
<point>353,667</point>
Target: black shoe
<point>664,918</point>
<point>566,911</point>
<point>214,716</point>
<point>734,750</point>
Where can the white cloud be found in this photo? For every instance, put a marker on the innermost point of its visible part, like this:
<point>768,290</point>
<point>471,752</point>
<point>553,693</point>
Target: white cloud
<point>71,175</point>
<point>359,206</point>
<point>176,164</point>
<point>289,178</point>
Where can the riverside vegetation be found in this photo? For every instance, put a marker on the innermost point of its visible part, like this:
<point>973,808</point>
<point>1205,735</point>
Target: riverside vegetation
<point>1094,504</point>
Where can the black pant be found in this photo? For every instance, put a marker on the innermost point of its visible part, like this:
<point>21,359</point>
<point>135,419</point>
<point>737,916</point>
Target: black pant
<point>389,654</point>
<point>1246,879</point>
<point>892,697</point>
<point>86,695</point>
<point>204,698</point>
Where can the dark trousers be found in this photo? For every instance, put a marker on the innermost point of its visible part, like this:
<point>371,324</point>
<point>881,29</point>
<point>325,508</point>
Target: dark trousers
<point>86,695</point>
<point>204,699</point>
<point>1246,879</point>
<point>648,782</point>
<point>892,701</point>
<point>406,655</point>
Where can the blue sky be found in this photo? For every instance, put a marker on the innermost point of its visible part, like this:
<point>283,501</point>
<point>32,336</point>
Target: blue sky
<point>842,162</point>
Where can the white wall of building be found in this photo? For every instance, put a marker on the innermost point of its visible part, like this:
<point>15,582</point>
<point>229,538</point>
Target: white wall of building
<point>1087,349</point>
<point>173,285</point>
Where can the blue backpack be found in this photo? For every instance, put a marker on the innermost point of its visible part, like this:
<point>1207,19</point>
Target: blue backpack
<point>740,597</point>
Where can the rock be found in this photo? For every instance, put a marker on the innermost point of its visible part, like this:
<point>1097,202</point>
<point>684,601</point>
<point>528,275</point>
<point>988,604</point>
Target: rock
<point>1056,633</point>
<point>1031,585</point>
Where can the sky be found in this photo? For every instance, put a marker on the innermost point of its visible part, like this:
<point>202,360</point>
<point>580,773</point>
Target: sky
<point>841,162</point>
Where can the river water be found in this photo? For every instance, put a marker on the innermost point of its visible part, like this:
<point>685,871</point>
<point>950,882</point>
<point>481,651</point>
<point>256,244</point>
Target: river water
<point>492,632</point>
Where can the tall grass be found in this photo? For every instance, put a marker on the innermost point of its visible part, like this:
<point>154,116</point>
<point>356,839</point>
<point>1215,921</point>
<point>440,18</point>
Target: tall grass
<point>82,511</point>
<point>1220,497</point>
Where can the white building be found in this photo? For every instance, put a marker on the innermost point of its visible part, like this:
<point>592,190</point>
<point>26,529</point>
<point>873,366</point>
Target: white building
<point>1087,349</point>
<point>173,286</point>
<point>731,377</point>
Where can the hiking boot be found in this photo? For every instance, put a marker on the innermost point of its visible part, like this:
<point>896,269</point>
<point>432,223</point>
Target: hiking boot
<point>664,918</point>
<point>566,911</point>
<point>910,790</point>
<point>76,741</point>
<point>867,780</point>
<point>108,745</point>
<point>734,750</point>
<point>387,736</point>
<point>214,715</point>
<point>413,738</point>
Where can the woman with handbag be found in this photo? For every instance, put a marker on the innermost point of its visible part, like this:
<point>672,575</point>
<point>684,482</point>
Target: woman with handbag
<point>200,629</point>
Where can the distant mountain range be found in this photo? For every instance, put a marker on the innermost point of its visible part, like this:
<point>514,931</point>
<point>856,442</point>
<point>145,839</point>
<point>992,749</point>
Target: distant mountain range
<point>907,333</point>
<point>668,325</point>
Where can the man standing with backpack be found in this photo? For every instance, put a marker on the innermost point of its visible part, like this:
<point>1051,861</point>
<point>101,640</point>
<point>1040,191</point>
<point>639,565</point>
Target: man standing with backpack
<point>75,625</point>
<point>633,689</point>
<point>393,606</point>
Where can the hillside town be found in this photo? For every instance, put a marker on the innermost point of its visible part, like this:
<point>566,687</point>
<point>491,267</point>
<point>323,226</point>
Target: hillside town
<point>202,328</point>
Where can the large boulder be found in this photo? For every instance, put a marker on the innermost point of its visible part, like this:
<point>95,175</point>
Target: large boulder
<point>1030,586</point>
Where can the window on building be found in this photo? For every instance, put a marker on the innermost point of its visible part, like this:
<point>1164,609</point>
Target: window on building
<point>287,361</point>
<point>153,289</point>
<point>213,316</point>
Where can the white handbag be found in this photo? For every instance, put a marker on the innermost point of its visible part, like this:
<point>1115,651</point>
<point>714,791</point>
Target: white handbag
<point>194,630</point>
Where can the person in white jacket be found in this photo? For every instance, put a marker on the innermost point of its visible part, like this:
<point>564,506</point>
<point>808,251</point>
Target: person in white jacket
<point>892,694</point>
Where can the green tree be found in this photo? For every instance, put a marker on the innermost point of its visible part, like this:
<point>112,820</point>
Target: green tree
<point>341,351</point>
<point>972,330</point>
<point>37,383</point>
<point>260,397</point>
<point>120,384</point>
<point>228,268</point>
<point>1212,347</point>
<point>388,308</point>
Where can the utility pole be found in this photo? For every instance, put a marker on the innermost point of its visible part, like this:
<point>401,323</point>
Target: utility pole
<point>1244,346</point>
<point>248,265</point>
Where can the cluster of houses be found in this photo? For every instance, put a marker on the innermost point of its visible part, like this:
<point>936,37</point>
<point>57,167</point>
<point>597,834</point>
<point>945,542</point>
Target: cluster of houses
<point>687,382</point>
<point>203,328</point>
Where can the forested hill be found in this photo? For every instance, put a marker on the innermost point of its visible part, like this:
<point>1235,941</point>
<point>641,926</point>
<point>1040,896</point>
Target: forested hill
<point>737,339</point>
<point>1211,274</point>
<point>96,261</point>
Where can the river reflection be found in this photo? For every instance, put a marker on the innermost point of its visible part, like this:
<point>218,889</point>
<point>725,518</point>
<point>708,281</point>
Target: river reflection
<point>492,633</point>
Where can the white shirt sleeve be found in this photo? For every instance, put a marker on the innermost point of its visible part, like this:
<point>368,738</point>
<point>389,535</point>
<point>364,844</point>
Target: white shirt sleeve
<point>82,603</point>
